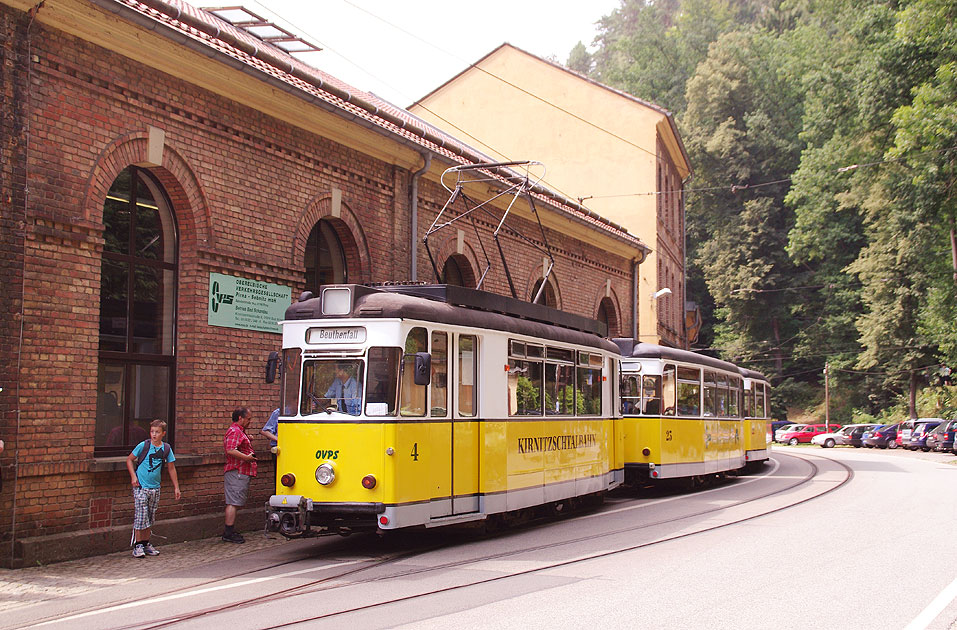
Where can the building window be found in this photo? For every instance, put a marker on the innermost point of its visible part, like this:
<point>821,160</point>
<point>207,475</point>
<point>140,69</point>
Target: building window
<point>547,297</point>
<point>137,364</point>
<point>608,316</point>
<point>325,260</point>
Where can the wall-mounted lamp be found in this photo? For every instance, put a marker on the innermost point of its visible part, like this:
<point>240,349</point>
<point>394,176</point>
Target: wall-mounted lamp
<point>660,293</point>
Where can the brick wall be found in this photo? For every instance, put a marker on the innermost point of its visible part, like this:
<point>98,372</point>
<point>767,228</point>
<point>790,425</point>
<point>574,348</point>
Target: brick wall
<point>246,190</point>
<point>13,116</point>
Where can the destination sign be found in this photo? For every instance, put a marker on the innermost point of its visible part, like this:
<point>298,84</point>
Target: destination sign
<point>337,334</point>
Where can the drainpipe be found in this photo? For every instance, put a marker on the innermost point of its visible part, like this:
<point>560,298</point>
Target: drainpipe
<point>684,264</point>
<point>634,299</point>
<point>427,158</point>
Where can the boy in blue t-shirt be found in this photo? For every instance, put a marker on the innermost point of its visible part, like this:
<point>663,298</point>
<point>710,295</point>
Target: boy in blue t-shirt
<point>146,485</point>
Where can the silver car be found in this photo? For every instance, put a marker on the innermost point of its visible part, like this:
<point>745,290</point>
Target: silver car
<point>840,437</point>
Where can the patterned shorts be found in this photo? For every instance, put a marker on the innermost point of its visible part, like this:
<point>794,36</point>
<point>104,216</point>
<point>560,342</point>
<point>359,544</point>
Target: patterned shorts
<point>145,502</point>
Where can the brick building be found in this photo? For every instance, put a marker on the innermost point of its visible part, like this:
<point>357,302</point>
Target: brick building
<point>151,154</point>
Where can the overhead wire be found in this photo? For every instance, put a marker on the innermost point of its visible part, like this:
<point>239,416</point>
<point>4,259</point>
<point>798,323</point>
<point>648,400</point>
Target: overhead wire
<point>448,122</point>
<point>732,187</point>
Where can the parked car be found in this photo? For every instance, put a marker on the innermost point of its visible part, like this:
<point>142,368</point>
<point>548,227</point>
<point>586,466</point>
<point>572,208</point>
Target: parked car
<point>883,437</point>
<point>777,425</point>
<point>779,434</point>
<point>941,438</point>
<point>907,428</point>
<point>918,437</point>
<point>867,434</point>
<point>949,435</point>
<point>842,436</point>
<point>804,433</point>
<point>855,437</point>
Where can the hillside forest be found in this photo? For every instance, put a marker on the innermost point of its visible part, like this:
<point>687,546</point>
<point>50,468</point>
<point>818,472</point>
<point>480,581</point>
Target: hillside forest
<point>821,212</point>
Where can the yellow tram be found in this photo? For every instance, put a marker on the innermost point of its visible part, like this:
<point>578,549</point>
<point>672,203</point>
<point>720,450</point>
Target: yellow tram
<point>687,415</point>
<point>426,405</point>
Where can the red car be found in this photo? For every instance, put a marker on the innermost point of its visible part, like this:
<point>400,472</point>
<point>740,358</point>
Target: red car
<point>805,433</point>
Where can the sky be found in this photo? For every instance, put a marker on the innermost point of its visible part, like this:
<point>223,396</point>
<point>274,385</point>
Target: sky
<point>402,50</point>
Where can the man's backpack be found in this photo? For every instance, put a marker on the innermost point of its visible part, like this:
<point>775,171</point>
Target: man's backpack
<point>146,451</point>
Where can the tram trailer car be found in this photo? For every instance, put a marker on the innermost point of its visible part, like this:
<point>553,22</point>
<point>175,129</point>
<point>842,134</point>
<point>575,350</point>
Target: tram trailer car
<point>687,415</point>
<point>427,405</point>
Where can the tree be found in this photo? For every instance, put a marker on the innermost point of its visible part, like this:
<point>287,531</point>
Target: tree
<point>741,126</point>
<point>579,59</point>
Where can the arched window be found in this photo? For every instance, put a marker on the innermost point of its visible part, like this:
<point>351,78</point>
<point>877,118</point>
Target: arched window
<point>451,274</point>
<point>608,315</point>
<point>325,260</point>
<point>458,271</point>
<point>548,297</point>
<point>137,363</point>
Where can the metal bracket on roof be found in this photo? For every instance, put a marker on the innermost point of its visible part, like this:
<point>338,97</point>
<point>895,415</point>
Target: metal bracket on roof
<point>263,29</point>
<point>512,178</point>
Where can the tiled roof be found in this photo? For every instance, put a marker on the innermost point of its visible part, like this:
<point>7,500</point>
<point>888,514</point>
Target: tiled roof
<point>236,43</point>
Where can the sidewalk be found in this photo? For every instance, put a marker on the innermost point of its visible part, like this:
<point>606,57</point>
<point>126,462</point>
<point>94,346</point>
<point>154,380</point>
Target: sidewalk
<point>34,585</point>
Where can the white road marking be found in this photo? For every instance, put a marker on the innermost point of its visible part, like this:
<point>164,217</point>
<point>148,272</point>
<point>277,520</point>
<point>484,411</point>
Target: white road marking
<point>201,591</point>
<point>934,608</point>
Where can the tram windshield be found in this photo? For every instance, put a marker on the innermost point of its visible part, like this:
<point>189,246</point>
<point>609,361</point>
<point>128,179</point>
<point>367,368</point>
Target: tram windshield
<point>331,385</point>
<point>343,384</point>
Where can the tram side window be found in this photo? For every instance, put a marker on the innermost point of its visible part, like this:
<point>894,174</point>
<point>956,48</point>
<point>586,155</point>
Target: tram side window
<point>524,383</point>
<point>749,401</point>
<point>734,398</point>
<point>760,411</point>
<point>559,389</point>
<point>383,381</point>
<point>710,393</point>
<point>440,374</point>
<point>524,388</point>
<point>413,397</point>
<point>466,375</point>
<point>589,384</point>
<point>291,359</point>
<point>668,390</point>
<point>651,395</point>
<point>722,400</point>
<point>630,394</point>
<point>689,391</point>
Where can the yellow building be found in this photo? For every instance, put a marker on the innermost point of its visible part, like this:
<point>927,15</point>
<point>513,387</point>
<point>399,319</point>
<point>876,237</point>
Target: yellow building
<point>620,156</point>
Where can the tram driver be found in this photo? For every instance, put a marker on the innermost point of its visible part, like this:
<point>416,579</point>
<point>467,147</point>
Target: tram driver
<point>345,392</point>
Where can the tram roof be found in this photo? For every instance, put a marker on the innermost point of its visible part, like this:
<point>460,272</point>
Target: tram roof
<point>630,349</point>
<point>459,306</point>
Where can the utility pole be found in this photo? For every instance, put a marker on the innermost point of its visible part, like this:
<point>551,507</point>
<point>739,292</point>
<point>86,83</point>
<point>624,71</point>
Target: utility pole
<point>827,399</point>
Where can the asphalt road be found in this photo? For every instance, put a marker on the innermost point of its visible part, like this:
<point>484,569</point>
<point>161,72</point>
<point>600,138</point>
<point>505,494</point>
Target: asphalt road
<point>822,538</point>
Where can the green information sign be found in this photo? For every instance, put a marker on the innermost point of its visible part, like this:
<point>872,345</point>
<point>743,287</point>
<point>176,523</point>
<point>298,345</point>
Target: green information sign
<point>249,304</point>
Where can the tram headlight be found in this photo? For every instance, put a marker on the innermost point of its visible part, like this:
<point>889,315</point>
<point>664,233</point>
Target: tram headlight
<point>325,474</point>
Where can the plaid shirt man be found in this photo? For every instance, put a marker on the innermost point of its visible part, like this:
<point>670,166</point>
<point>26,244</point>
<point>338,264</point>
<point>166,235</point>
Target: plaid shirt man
<point>237,439</point>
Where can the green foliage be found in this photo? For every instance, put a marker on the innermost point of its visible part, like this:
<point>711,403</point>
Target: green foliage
<point>823,136</point>
<point>527,395</point>
<point>579,59</point>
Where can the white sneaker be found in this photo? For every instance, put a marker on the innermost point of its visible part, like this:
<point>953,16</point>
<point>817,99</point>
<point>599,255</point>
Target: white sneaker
<point>151,550</point>
<point>139,552</point>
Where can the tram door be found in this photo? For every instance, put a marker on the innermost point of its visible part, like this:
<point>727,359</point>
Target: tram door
<point>453,430</point>
<point>465,429</point>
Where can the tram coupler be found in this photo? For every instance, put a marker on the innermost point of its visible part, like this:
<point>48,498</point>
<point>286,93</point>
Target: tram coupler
<point>289,515</point>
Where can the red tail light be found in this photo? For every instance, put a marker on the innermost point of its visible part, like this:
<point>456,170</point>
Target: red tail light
<point>368,482</point>
<point>288,480</point>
